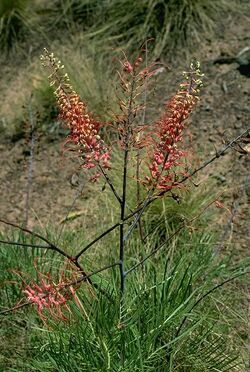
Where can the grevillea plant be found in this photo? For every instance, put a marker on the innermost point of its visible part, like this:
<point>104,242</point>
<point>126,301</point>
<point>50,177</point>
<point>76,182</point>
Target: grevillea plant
<point>161,140</point>
<point>160,168</point>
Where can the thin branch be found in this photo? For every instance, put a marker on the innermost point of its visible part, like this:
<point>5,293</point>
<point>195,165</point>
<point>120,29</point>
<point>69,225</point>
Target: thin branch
<point>127,127</point>
<point>97,239</point>
<point>85,277</point>
<point>146,201</point>
<point>17,307</point>
<point>51,245</point>
<point>105,175</point>
<point>27,245</point>
<point>216,156</point>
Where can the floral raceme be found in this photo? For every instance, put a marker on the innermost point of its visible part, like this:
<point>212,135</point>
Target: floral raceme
<point>51,298</point>
<point>168,133</point>
<point>84,128</point>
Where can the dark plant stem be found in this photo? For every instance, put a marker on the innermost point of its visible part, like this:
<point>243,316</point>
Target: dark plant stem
<point>127,131</point>
<point>109,182</point>
<point>138,191</point>
<point>145,202</point>
<point>127,126</point>
<point>25,245</point>
<point>99,237</point>
<point>122,242</point>
<point>216,156</point>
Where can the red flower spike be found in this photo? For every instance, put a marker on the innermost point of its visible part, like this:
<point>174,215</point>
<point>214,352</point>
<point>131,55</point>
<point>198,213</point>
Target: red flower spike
<point>52,298</point>
<point>84,129</point>
<point>168,131</point>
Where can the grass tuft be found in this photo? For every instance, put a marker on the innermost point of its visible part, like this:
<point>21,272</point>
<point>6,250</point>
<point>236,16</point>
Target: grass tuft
<point>14,21</point>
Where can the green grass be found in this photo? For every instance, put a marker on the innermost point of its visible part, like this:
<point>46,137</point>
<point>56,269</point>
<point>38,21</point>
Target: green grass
<point>114,23</point>
<point>172,24</point>
<point>14,21</point>
<point>170,319</point>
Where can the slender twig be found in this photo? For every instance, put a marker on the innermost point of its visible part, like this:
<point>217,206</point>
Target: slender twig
<point>85,276</point>
<point>89,245</point>
<point>109,182</point>
<point>50,245</point>
<point>17,307</point>
<point>121,253</point>
<point>127,127</point>
<point>146,201</point>
<point>26,245</point>
<point>211,160</point>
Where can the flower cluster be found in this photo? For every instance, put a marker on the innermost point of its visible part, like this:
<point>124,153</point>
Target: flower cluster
<point>51,297</point>
<point>168,130</point>
<point>84,128</point>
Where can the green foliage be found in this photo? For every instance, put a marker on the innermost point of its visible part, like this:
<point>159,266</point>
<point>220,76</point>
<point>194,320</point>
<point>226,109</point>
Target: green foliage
<point>171,23</point>
<point>13,21</point>
<point>164,325</point>
<point>64,13</point>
